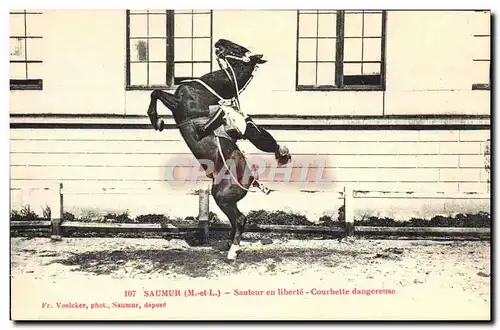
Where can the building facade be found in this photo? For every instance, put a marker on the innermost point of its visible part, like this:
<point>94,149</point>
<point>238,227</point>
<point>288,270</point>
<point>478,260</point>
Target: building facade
<point>391,100</point>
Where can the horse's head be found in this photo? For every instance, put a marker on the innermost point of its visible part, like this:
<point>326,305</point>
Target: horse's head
<point>225,49</point>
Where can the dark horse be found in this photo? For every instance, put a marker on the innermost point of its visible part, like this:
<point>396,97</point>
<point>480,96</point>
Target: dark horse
<point>190,109</point>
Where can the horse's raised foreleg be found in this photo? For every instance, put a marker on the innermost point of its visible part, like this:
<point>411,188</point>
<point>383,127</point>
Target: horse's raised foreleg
<point>260,138</point>
<point>264,141</point>
<point>169,100</point>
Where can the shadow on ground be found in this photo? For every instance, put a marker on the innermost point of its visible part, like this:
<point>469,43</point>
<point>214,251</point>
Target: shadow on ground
<point>195,262</point>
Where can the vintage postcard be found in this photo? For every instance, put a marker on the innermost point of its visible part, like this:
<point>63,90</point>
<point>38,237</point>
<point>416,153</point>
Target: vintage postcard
<point>209,164</point>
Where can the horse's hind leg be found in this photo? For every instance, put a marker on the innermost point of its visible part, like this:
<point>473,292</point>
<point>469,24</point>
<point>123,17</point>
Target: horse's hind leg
<point>238,221</point>
<point>227,203</point>
<point>153,113</point>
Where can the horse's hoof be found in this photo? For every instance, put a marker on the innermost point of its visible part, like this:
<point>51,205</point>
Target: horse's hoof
<point>283,156</point>
<point>160,124</point>
<point>283,151</point>
<point>233,252</point>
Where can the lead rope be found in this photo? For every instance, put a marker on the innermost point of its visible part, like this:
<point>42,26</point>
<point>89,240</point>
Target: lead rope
<point>210,89</point>
<point>230,172</point>
<point>234,80</point>
<point>218,138</point>
<point>237,101</point>
<point>236,98</point>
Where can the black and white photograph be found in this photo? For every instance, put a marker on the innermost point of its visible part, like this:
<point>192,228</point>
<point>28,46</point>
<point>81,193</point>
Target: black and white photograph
<point>250,164</point>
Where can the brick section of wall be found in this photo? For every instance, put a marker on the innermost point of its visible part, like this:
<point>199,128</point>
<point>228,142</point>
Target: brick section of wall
<point>394,160</point>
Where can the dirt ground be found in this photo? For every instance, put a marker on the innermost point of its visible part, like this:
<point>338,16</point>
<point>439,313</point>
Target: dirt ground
<point>432,279</point>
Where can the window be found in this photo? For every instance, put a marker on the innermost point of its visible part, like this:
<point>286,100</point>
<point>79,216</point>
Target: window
<point>482,52</point>
<point>165,47</point>
<point>25,50</point>
<point>340,50</point>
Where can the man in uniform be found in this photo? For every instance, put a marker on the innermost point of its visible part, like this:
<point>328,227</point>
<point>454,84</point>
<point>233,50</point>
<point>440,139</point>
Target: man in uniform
<point>239,126</point>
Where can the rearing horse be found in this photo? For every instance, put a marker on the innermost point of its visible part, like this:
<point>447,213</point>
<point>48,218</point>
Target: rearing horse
<point>190,107</point>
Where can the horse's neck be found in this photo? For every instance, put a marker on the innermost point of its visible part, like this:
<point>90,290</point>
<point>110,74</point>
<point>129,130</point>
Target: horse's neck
<point>222,81</point>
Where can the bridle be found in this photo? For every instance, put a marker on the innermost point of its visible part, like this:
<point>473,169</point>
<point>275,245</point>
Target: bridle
<point>245,58</point>
<point>226,66</point>
<point>228,69</point>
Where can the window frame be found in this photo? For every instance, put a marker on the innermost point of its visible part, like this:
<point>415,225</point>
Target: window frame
<point>339,59</point>
<point>483,86</point>
<point>170,52</point>
<point>25,84</point>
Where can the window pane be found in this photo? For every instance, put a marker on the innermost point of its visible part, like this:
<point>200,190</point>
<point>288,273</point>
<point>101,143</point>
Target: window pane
<point>35,70</point>
<point>308,25</point>
<point>327,25</point>
<point>18,71</point>
<point>326,49</point>
<point>201,68</point>
<point>183,50</point>
<point>352,69</point>
<point>183,70</point>
<point>34,48</point>
<point>157,25</point>
<point>353,25</point>
<point>307,50</point>
<point>373,25</point>
<point>17,25</point>
<point>138,26</point>
<point>367,80</point>
<point>148,43</point>
<point>326,74</point>
<point>372,49</point>
<point>307,74</point>
<point>201,25</point>
<point>157,73</point>
<point>139,50</point>
<point>183,25</point>
<point>17,49</point>
<point>481,72</point>
<point>370,68</point>
<point>138,73</point>
<point>352,49</point>
<point>34,24</point>
<point>201,49</point>
<point>157,49</point>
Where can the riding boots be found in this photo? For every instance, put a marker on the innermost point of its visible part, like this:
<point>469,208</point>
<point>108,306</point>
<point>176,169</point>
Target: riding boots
<point>216,120</point>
